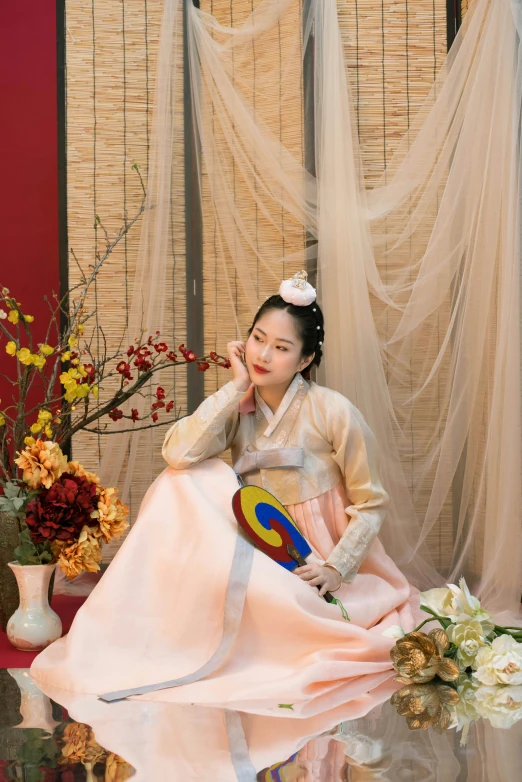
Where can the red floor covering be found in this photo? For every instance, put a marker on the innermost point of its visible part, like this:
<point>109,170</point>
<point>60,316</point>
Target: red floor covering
<point>66,608</point>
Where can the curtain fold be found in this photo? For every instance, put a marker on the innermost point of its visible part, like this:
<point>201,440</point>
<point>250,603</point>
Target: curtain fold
<point>418,277</point>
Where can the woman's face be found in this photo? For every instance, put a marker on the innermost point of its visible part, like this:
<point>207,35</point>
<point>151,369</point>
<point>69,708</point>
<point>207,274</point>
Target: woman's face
<point>275,347</point>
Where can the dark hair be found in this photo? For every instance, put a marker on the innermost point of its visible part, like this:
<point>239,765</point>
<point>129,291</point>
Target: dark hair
<point>309,324</point>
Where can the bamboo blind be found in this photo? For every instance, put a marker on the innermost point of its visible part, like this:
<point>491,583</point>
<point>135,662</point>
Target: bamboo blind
<point>393,50</point>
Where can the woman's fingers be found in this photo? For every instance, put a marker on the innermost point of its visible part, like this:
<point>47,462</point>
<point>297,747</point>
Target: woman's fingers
<point>319,580</point>
<point>303,569</point>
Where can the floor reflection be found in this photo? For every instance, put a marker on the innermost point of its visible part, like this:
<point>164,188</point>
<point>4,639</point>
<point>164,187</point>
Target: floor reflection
<point>65,736</point>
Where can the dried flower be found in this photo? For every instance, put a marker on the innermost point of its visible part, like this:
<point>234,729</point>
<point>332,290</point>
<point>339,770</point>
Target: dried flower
<point>80,746</point>
<point>3,314</point>
<point>418,658</point>
<point>426,705</point>
<point>75,468</point>
<point>59,513</point>
<point>42,463</point>
<point>117,769</point>
<point>111,515</point>
<point>82,554</point>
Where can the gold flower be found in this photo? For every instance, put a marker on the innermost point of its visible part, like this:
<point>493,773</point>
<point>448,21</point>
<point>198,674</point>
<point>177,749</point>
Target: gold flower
<point>24,354</point>
<point>418,658</point>
<point>426,704</point>
<point>111,514</point>
<point>83,554</point>
<point>10,348</point>
<point>42,463</point>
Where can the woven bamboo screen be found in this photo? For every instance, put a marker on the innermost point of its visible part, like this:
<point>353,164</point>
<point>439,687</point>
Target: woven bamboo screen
<point>393,50</point>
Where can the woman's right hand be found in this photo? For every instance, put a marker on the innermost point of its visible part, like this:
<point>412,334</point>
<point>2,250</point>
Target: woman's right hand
<point>236,354</point>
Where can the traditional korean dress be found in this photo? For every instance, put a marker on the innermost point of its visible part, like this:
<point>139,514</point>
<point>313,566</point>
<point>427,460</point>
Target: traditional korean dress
<point>188,611</point>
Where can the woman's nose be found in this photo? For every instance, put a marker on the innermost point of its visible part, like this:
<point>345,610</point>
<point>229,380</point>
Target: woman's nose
<point>265,353</point>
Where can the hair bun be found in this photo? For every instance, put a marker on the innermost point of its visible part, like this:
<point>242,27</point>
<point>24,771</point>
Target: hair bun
<point>297,290</point>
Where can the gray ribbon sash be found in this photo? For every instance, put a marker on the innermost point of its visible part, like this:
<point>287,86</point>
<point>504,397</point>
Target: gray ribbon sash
<point>272,457</point>
<point>234,603</point>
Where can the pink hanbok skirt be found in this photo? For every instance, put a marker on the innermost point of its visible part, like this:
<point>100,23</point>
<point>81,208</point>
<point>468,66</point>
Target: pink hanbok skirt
<point>157,613</point>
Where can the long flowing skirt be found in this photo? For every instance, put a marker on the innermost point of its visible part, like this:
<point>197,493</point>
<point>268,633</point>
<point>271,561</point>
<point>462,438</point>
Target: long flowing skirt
<point>157,613</point>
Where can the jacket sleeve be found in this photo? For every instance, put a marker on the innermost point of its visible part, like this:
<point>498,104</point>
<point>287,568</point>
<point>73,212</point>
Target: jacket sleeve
<point>355,451</point>
<point>207,432</point>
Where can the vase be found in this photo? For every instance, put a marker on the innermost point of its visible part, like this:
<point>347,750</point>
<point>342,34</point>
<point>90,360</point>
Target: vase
<point>35,707</point>
<point>9,540</point>
<point>34,625</point>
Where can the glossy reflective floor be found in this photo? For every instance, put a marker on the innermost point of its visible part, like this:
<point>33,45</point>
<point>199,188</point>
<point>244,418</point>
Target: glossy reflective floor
<point>77,737</point>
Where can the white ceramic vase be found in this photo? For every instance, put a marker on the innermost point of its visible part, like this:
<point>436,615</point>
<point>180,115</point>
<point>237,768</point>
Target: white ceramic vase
<point>35,707</point>
<point>34,625</point>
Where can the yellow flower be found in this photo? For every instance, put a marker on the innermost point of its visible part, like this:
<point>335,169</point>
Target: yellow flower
<point>65,356</point>
<point>29,441</point>
<point>72,341</point>
<point>42,462</point>
<point>13,316</point>
<point>10,348</point>
<point>46,350</point>
<point>2,419</point>
<point>38,360</point>
<point>75,361</point>
<point>35,428</point>
<point>44,416</point>
<point>95,392</point>
<point>82,390</point>
<point>25,356</point>
<point>81,328</point>
<point>48,431</point>
<point>28,318</point>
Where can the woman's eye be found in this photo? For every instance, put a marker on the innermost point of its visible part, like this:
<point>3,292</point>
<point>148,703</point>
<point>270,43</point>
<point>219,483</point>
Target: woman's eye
<point>257,338</point>
<point>282,348</point>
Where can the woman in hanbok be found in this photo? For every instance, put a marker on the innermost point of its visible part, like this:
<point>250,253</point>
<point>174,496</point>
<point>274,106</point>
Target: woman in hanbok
<point>188,610</point>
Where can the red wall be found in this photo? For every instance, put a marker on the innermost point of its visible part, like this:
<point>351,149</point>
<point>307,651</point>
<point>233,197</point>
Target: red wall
<point>29,263</point>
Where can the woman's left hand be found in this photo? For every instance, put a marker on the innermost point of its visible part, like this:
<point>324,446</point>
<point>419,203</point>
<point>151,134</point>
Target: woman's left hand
<point>326,578</point>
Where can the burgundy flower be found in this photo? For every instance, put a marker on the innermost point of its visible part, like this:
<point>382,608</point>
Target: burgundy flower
<point>124,369</point>
<point>226,364</point>
<point>130,351</point>
<point>160,393</point>
<point>158,404</point>
<point>116,414</point>
<point>149,340</point>
<point>213,356</point>
<point>161,347</point>
<point>203,366</point>
<point>188,355</point>
<point>59,513</point>
<point>142,363</point>
<point>172,356</point>
<point>134,414</point>
<point>169,407</point>
<point>91,373</point>
<point>154,417</point>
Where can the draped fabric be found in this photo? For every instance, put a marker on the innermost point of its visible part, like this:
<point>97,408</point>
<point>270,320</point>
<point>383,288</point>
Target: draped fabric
<point>418,277</point>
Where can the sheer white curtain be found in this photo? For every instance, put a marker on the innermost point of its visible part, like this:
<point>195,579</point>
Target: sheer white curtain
<point>418,277</point>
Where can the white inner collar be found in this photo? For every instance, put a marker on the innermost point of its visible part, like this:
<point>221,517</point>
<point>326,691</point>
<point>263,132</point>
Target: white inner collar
<point>274,418</point>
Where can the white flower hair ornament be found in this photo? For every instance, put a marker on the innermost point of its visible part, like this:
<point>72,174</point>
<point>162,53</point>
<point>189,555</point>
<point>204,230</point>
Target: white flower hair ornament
<point>297,290</point>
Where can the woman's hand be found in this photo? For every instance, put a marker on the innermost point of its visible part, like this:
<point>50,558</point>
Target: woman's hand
<point>236,354</point>
<point>316,575</point>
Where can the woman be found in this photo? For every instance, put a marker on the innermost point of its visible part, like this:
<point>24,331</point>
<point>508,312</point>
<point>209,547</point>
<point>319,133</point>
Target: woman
<point>188,611</point>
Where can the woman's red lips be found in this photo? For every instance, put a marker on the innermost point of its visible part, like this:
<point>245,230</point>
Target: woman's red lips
<point>260,369</point>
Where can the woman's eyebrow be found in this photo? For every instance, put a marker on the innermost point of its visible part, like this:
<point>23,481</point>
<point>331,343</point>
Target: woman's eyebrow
<point>278,339</point>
